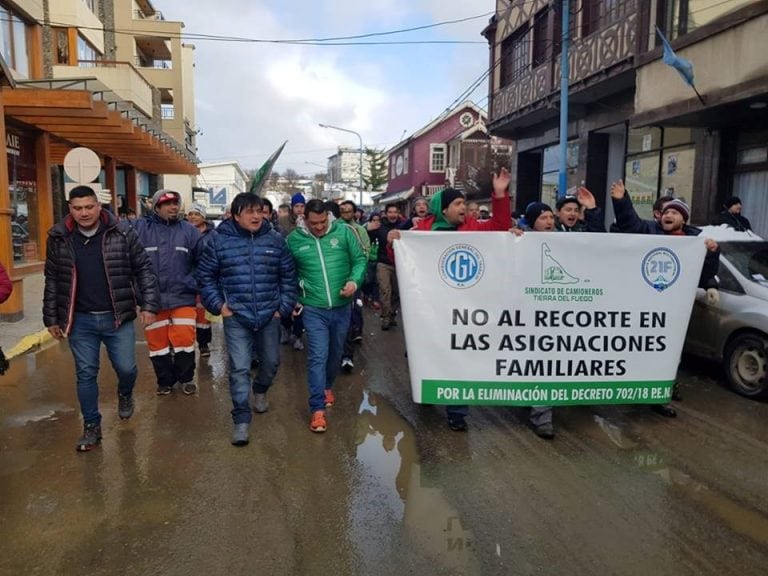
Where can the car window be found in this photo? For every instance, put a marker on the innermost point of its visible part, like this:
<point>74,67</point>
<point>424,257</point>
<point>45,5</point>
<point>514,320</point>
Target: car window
<point>749,258</point>
<point>728,280</point>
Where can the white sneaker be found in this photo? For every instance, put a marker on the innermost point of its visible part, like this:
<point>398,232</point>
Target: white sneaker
<point>347,365</point>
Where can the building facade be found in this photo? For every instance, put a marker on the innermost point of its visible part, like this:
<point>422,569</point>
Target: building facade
<point>217,184</point>
<point>344,167</point>
<point>61,91</point>
<point>631,116</point>
<point>453,150</point>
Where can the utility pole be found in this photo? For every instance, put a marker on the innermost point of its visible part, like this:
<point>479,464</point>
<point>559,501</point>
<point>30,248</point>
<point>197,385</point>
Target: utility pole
<point>564,73</point>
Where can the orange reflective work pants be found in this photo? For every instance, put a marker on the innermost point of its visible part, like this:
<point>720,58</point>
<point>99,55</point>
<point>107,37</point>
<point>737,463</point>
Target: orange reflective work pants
<point>172,329</point>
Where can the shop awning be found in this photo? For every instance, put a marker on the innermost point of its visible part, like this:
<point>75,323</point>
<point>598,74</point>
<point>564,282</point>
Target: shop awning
<point>398,196</point>
<point>109,127</point>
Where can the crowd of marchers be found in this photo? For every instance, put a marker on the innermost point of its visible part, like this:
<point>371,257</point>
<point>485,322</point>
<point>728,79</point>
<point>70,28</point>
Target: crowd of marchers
<point>298,275</point>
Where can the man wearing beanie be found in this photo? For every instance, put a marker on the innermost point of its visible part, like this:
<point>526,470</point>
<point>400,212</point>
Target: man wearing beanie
<point>197,217</point>
<point>673,222</point>
<point>539,217</point>
<point>287,224</point>
<point>449,214</point>
<point>172,245</point>
<point>732,217</point>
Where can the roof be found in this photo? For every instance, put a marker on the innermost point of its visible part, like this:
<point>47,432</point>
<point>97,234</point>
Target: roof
<point>95,119</point>
<point>441,118</point>
<point>398,196</point>
<point>725,233</point>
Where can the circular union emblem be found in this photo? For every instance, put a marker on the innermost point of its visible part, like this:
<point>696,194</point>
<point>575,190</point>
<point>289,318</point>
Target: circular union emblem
<point>461,266</point>
<point>660,268</point>
<point>334,242</point>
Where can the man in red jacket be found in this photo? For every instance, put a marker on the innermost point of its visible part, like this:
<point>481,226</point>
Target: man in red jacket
<point>449,212</point>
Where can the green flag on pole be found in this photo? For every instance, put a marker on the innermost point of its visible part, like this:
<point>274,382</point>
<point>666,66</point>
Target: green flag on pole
<point>262,175</point>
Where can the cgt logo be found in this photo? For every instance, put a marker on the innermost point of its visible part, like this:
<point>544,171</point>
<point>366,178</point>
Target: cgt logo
<point>461,266</point>
<point>660,268</point>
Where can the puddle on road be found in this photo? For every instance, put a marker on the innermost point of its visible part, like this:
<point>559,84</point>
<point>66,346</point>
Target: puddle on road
<point>396,506</point>
<point>36,414</point>
<point>741,519</point>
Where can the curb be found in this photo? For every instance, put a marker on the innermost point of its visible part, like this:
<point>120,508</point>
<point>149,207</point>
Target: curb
<point>29,342</point>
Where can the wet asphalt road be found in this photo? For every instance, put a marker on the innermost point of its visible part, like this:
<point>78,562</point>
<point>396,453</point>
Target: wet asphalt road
<point>388,490</point>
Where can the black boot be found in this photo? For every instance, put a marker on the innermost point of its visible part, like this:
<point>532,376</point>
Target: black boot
<point>664,410</point>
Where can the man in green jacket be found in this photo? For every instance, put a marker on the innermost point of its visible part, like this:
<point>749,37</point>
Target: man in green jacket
<point>330,264</point>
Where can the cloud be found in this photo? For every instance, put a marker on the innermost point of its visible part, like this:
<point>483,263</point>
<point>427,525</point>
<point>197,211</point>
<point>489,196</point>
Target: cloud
<point>251,97</point>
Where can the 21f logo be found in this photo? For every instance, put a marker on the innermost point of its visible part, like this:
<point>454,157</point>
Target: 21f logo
<point>660,268</point>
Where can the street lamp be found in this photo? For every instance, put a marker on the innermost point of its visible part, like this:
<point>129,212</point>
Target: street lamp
<point>360,151</point>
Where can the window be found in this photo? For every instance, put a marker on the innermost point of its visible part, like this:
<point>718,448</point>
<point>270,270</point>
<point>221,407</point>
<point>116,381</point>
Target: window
<point>87,55</point>
<point>684,16</point>
<point>550,171</point>
<point>557,34</point>
<point>601,13</point>
<point>660,161</point>
<point>515,56</point>
<point>540,37</point>
<point>167,112</point>
<point>437,157</point>
<point>405,161</point>
<point>61,46</point>
<point>13,41</point>
<point>392,174</point>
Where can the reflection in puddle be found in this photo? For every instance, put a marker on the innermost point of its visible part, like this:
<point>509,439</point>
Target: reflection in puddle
<point>396,502</point>
<point>37,414</point>
<point>740,518</point>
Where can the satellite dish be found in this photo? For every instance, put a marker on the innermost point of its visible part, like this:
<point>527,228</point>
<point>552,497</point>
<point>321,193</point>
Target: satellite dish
<point>82,165</point>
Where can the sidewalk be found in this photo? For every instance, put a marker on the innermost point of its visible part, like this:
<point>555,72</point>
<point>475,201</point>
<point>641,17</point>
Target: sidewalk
<point>18,337</point>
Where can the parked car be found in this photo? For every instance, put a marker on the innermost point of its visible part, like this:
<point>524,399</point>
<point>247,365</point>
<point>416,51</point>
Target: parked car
<point>735,332</point>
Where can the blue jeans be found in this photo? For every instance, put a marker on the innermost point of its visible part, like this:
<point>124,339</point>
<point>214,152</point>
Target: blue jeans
<point>88,332</point>
<point>326,332</point>
<point>242,343</point>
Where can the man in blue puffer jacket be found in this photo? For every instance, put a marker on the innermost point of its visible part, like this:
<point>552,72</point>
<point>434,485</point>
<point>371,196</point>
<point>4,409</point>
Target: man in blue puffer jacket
<point>247,275</point>
<point>172,245</point>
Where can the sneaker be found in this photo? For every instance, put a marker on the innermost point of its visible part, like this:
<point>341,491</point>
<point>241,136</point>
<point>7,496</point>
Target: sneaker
<point>90,439</point>
<point>240,434</point>
<point>457,423</point>
<point>385,324</point>
<point>205,351</point>
<point>546,431</point>
<point>347,365</point>
<point>189,388</point>
<point>330,399</point>
<point>357,338</point>
<point>260,403</point>
<point>125,406</point>
<point>376,305</point>
<point>298,344</point>
<point>164,390</point>
<point>318,423</point>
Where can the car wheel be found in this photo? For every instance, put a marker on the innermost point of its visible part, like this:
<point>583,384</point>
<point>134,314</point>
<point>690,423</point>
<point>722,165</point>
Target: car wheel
<point>746,365</point>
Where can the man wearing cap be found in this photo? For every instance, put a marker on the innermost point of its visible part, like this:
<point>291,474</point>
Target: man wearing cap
<point>197,216</point>
<point>449,213</point>
<point>673,222</point>
<point>172,244</point>
<point>569,210</point>
<point>732,217</point>
<point>94,267</point>
<point>485,213</point>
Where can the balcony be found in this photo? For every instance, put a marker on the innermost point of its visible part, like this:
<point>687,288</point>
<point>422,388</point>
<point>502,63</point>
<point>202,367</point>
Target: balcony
<point>140,15</point>
<point>121,77</point>
<point>595,59</point>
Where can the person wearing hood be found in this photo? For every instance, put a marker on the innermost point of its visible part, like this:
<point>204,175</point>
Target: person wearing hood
<point>732,217</point>
<point>94,268</point>
<point>247,275</point>
<point>172,245</point>
<point>449,213</point>
<point>198,217</point>
<point>330,264</point>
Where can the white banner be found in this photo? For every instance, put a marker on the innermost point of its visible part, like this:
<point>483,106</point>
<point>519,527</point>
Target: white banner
<point>546,318</point>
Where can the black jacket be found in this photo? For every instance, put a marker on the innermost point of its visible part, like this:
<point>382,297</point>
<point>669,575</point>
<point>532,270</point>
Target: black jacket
<point>735,221</point>
<point>125,261</point>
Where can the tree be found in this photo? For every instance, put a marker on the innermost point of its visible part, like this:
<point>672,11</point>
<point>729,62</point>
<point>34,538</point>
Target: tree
<point>377,168</point>
<point>291,176</point>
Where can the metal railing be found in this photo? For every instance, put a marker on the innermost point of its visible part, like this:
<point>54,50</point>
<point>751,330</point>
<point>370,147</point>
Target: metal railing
<point>139,15</point>
<point>168,113</point>
<point>143,62</point>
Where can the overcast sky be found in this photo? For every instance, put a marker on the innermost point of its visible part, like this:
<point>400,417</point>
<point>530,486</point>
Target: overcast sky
<point>252,96</point>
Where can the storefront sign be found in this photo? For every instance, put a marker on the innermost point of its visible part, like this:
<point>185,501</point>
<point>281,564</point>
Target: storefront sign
<point>547,318</point>
<point>13,143</point>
